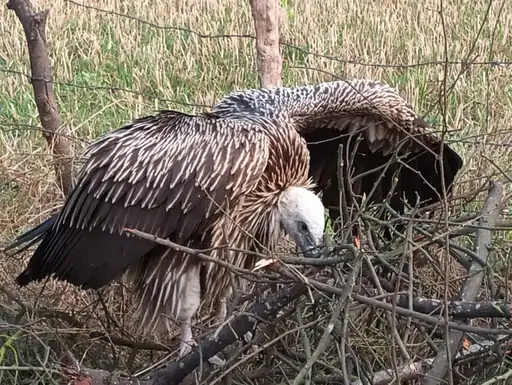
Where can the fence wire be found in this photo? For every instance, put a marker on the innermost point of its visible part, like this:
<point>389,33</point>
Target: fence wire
<point>110,319</point>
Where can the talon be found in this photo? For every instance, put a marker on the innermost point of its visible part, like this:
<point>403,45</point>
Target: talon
<point>186,348</point>
<point>248,337</point>
<point>217,361</point>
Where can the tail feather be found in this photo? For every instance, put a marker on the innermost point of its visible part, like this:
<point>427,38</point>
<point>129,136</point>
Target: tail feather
<point>32,236</point>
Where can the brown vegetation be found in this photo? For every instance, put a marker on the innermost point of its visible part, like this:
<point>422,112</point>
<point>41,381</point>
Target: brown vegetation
<point>109,68</point>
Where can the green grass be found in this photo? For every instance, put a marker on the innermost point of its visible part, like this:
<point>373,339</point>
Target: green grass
<point>94,53</point>
<point>109,69</point>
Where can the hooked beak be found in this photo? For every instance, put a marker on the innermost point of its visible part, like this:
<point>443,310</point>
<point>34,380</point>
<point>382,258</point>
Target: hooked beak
<point>305,244</point>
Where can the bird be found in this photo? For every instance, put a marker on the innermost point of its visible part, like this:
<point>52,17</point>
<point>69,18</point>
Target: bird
<point>367,118</point>
<point>372,123</point>
<point>202,181</point>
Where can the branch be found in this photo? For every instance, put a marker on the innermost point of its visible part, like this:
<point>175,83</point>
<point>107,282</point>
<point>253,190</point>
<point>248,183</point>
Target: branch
<point>230,333</point>
<point>457,309</point>
<point>413,370</point>
<point>405,312</point>
<point>326,336</point>
<point>34,26</point>
<point>175,372</point>
<point>325,259</point>
<point>266,24</point>
<point>75,374</point>
<point>407,372</point>
<point>492,208</point>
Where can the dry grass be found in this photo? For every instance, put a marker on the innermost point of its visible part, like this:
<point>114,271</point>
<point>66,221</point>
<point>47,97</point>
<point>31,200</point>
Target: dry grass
<point>93,51</point>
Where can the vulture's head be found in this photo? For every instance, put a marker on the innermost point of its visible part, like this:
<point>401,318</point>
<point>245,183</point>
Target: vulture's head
<point>301,215</point>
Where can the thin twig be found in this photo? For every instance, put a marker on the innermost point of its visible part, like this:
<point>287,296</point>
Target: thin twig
<point>490,212</point>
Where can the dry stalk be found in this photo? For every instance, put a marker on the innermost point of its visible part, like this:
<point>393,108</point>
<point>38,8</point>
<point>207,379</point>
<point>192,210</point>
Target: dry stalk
<point>489,215</point>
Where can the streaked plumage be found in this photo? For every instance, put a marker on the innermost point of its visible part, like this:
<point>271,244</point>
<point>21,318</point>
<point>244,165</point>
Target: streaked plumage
<point>334,113</point>
<point>201,181</point>
<point>247,153</point>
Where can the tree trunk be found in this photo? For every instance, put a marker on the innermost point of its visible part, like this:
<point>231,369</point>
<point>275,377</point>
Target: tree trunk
<point>266,23</point>
<point>42,83</point>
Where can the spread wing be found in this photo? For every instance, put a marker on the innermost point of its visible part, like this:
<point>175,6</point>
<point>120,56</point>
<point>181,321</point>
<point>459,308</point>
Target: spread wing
<point>416,177</point>
<point>331,114</point>
<point>168,175</point>
<point>374,109</point>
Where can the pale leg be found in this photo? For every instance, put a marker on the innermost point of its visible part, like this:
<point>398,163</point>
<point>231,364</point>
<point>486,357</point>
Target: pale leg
<point>186,338</point>
<point>223,311</point>
<point>221,316</point>
<point>187,343</point>
<point>190,299</point>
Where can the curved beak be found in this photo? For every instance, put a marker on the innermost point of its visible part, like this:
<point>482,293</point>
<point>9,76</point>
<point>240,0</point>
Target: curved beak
<point>308,245</point>
<point>305,244</point>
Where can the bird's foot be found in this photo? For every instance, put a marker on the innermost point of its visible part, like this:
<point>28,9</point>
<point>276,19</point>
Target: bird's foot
<point>186,348</point>
<point>248,337</point>
<point>217,361</point>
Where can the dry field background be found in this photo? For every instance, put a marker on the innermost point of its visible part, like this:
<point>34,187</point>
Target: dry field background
<point>115,60</point>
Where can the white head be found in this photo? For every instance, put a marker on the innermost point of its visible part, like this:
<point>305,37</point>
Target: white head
<point>301,215</point>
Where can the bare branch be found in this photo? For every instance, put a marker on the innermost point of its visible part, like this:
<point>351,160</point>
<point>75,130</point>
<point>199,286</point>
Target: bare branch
<point>230,333</point>
<point>407,373</point>
<point>458,309</point>
<point>343,301</point>
<point>77,374</point>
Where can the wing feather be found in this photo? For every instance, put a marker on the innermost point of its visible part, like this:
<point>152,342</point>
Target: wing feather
<point>373,108</point>
<point>335,113</point>
<point>169,175</point>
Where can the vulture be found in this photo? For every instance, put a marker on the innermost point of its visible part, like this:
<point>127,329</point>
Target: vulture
<point>201,181</point>
<point>243,174</point>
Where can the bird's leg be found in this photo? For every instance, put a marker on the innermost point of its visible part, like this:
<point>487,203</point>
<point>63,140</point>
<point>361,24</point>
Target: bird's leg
<point>190,298</point>
<point>220,317</point>
<point>187,343</point>
<point>186,338</point>
<point>223,310</point>
<point>222,314</point>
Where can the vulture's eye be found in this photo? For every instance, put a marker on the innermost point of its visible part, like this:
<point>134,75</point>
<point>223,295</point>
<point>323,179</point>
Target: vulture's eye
<point>303,227</point>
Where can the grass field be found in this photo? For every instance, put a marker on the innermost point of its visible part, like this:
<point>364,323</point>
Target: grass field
<point>111,68</point>
<point>96,51</point>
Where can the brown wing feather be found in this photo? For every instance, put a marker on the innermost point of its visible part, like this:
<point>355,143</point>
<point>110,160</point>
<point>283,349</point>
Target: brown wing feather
<point>158,174</point>
<point>334,113</point>
<point>359,105</point>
